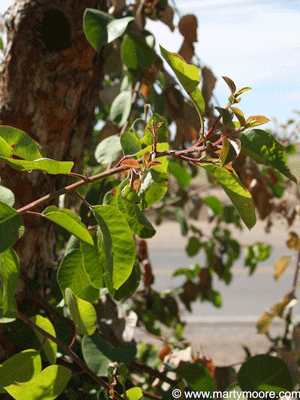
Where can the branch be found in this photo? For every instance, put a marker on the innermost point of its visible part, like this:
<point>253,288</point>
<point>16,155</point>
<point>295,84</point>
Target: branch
<point>67,349</point>
<point>118,168</point>
<point>70,188</point>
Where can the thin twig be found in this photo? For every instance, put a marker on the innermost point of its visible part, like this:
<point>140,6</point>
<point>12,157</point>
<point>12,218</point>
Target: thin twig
<point>82,199</point>
<point>67,350</point>
<point>153,372</point>
<point>151,395</point>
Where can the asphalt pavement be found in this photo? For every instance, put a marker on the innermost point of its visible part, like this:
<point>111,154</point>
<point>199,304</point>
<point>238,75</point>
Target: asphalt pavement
<point>221,333</point>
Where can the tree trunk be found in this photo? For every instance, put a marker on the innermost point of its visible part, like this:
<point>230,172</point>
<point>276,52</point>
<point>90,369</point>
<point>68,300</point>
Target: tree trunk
<point>49,88</point>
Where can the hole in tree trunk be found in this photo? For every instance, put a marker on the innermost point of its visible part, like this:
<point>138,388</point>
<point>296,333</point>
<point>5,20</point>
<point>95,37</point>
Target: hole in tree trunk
<point>55,31</point>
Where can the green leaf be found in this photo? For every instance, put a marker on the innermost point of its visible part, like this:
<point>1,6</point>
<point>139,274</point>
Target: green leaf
<point>92,264</point>
<point>120,108</point>
<point>130,286</point>
<point>5,148</point>
<point>255,253</point>
<point>100,28</point>
<point>44,164</point>
<point>263,148</point>
<point>136,54</point>
<point>214,203</point>
<point>130,143</point>
<point>238,194</point>
<point>134,393</point>
<point>189,77</point>
<point>196,376</point>
<point>68,220</point>
<point>98,353</point>
<point>241,91</point>
<point>82,312</point>
<point>193,246</point>
<point>180,173</point>
<point>47,385</point>
<point>71,274</point>
<point>179,214</point>
<point>230,150</point>
<point>11,226</point>
<point>187,74</point>
<point>108,150</point>
<point>227,115</point>
<point>240,115</point>
<point>50,347</point>
<point>7,196</point>
<point>153,188</point>
<point>135,218</point>
<point>118,243</point>
<point>22,145</point>
<point>21,367</point>
<point>162,132</point>
<point>264,372</point>
<point>9,275</point>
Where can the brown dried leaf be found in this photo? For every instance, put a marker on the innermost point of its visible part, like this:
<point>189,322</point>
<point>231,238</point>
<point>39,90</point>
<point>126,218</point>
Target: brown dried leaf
<point>142,250</point>
<point>280,266</point>
<point>294,242</point>
<point>264,322</point>
<point>188,25</point>
<point>108,129</point>
<point>208,84</point>
<point>185,133</point>
<point>205,280</point>
<point>117,5</point>
<point>166,16</point>
<point>174,102</point>
<point>187,51</point>
<point>164,352</point>
<point>261,197</point>
<point>148,277</point>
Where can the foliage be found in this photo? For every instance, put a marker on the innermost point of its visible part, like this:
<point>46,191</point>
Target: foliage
<point>96,298</point>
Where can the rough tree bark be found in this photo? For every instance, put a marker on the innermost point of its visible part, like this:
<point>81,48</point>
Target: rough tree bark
<point>49,88</point>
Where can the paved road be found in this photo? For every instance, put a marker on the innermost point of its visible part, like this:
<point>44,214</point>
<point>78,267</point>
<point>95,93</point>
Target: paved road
<point>222,333</point>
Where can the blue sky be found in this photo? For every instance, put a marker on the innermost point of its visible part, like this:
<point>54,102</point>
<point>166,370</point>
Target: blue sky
<point>255,43</point>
